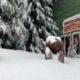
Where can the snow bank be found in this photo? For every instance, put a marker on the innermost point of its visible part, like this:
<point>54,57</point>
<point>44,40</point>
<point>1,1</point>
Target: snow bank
<point>22,65</point>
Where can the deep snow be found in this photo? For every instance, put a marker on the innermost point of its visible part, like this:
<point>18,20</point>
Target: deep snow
<point>22,65</point>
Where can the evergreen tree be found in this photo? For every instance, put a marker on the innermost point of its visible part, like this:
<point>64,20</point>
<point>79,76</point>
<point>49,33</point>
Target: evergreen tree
<point>40,23</point>
<point>25,24</point>
<point>11,15</point>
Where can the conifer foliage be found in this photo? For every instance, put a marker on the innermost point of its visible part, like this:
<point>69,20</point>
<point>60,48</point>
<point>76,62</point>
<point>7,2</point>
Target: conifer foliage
<point>25,24</point>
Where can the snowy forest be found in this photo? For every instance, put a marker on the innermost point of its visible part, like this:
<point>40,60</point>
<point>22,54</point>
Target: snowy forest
<point>25,24</point>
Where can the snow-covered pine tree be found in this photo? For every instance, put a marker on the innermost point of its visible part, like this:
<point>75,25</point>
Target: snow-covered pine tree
<point>25,24</point>
<point>40,23</point>
<point>5,32</point>
<point>11,13</point>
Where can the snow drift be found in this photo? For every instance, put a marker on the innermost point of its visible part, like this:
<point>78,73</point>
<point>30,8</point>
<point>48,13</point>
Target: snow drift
<point>22,65</point>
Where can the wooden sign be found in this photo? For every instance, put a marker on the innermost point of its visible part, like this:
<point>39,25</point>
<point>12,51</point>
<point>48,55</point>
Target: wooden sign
<point>71,25</point>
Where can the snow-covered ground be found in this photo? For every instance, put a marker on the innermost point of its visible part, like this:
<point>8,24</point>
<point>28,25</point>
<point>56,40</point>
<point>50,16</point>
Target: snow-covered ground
<point>22,65</point>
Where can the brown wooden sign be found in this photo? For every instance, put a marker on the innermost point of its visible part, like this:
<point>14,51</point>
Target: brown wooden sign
<point>72,25</point>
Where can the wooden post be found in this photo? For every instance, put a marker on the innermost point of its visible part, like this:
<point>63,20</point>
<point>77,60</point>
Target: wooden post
<point>64,46</point>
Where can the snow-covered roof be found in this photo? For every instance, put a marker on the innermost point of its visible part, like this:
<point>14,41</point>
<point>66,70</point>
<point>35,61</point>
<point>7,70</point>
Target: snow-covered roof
<point>71,18</point>
<point>69,21</point>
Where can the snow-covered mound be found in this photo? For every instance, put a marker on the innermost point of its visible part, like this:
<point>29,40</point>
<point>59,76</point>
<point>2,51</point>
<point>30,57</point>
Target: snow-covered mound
<point>52,39</point>
<point>22,65</point>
